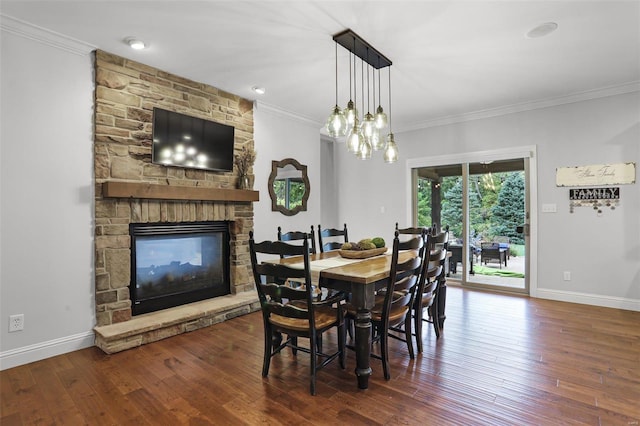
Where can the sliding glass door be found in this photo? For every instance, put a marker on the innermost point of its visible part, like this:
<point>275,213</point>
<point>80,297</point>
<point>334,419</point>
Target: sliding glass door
<point>484,205</point>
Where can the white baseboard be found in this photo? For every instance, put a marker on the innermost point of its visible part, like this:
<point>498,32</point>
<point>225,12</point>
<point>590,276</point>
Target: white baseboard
<point>37,352</point>
<point>589,299</point>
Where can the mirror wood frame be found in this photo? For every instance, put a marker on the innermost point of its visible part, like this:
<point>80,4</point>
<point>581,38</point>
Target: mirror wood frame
<point>275,165</point>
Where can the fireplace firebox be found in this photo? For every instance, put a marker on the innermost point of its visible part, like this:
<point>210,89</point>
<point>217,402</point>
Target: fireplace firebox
<point>177,263</point>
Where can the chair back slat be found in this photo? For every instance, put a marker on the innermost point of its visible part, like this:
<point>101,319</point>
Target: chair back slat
<point>280,271</point>
<point>299,235</point>
<point>413,230</point>
<point>432,269</point>
<point>288,310</point>
<point>330,245</point>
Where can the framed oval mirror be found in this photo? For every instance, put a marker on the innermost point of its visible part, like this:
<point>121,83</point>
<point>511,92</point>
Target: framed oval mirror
<point>288,186</point>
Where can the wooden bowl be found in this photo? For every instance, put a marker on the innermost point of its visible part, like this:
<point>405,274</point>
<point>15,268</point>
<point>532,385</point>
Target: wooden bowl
<point>362,254</point>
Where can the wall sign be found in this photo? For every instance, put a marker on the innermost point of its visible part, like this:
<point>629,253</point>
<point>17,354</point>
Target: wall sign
<point>596,198</point>
<point>597,174</point>
<point>594,194</point>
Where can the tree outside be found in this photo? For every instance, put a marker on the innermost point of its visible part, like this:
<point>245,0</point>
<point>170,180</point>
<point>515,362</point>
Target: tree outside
<point>496,202</point>
<point>424,202</point>
<point>508,211</point>
<point>289,192</point>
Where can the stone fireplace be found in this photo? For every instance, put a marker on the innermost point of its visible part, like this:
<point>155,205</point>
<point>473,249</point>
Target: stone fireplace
<point>131,190</point>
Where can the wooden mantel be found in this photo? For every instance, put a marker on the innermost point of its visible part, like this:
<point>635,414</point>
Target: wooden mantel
<point>148,190</point>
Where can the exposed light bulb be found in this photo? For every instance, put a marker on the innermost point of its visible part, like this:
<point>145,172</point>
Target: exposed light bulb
<point>368,125</point>
<point>354,138</point>
<point>377,143</point>
<point>380,118</point>
<point>337,123</point>
<point>391,150</point>
<point>350,113</point>
<point>364,151</point>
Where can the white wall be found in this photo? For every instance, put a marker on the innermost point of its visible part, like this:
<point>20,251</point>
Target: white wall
<point>329,184</point>
<point>602,252</point>
<point>46,181</point>
<point>277,136</point>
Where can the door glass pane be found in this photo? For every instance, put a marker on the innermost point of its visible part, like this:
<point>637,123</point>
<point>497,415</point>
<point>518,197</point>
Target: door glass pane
<point>496,209</point>
<point>440,202</point>
<point>438,195</point>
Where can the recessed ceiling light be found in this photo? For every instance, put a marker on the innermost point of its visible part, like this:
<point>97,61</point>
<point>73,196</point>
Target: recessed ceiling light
<point>135,43</point>
<point>542,30</point>
<point>258,90</point>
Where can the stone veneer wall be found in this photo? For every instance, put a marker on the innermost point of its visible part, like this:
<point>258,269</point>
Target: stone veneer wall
<point>126,92</point>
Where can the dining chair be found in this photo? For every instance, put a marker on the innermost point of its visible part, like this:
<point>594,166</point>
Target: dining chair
<point>296,312</point>
<point>331,233</point>
<point>415,230</point>
<point>440,240</point>
<point>392,309</point>
<point>432,269</point>
<point>297,236</point>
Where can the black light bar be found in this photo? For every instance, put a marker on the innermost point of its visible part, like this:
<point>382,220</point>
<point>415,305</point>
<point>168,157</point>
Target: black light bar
<point>357,45</point>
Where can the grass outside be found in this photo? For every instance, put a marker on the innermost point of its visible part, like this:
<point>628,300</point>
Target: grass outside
<point>483,270</point>
<point>516,249</point>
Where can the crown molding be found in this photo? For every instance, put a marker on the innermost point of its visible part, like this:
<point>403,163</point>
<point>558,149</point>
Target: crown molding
<point>44,36</point>
<point>286,113</point>
<point>630,87</point>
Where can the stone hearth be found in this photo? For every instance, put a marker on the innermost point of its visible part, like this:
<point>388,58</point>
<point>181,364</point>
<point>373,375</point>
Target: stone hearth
<point>155,326</point>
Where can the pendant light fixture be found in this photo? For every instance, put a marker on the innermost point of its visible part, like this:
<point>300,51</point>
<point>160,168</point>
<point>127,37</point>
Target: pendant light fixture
<point>364,133</point>
<point>354,138</point>
<point>364,147</point>
<point>377,143</point>
<point>367,123</point>
<point>381,117</point>
<point>391,149</point>
<point>350,112</point>
<point>336,123</point>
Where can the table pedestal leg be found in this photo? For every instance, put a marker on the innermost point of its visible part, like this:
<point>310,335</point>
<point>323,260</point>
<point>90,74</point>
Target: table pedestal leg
<point>363,347</point>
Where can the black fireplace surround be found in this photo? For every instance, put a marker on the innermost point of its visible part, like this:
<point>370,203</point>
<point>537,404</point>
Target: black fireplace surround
<point>177,263</point>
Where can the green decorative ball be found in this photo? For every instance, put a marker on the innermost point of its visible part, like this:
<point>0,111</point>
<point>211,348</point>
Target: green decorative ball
<point>378,241</point>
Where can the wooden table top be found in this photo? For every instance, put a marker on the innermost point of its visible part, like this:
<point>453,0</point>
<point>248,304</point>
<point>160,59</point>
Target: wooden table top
<point>364,271</point>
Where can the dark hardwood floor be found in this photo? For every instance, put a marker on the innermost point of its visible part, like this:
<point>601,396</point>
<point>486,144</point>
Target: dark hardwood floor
<point>503,360</point>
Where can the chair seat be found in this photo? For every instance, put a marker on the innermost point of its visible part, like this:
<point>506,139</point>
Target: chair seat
<point>395,315</point>
<point>325,317</point>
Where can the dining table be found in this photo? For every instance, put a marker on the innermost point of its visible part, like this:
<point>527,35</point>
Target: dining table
<point>360,278</point>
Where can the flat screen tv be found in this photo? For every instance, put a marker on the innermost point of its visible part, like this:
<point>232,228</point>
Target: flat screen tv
<point>180,140</point>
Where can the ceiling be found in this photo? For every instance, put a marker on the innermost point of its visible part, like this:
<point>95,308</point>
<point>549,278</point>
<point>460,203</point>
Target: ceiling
<point>451,59</point>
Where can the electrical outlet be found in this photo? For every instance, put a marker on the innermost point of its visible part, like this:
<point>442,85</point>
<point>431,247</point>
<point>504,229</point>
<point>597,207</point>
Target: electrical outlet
<point>16,323</point>
<point>567,275</point>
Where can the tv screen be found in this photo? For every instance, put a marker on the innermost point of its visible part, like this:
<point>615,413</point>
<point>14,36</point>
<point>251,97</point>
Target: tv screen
<point>183,141</point>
